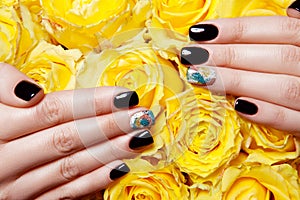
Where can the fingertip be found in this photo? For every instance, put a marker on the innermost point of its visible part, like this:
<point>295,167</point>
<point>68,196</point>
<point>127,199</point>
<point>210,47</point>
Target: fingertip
<point>294,9</point>
<point>126,99</point>
<point>28,92</point>
<point>119,171</point>
<point>245,107</point>
<point>291,12</point>
<point>16,89</point>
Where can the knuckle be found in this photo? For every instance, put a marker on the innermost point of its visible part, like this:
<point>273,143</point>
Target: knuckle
<point>4,195</point>
<point>109,126</point>
<point>231,56</point>
<point>290,54</point>
<point>279,117</point>
<point>100,107</point>
<point>235,81</point>
<point>69,169</point>
<point>291,27</point>
<point>65,194</point>
<point>50,112</point>
<point>290,89</point>
<point>113,152</point>
<point>239,30</point>
<point>64,140</point>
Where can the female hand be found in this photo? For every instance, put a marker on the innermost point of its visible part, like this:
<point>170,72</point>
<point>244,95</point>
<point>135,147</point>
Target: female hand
<point>65,144</point>
<point>257,59</point>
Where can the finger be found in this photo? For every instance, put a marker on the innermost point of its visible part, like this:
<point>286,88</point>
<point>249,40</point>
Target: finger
<point>60,107</point>
<point>16,89</point>
<point>71,137</point>
<point>294,10</point>
<point>282,59</point>
<point>272,30</point>
<point>269,114</point>
<point>282,90</point>
<point>88,184</point>
<point>72,167</point>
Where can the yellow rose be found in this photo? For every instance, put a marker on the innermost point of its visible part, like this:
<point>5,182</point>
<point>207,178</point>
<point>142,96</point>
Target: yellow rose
<point>85,24</point>
<point>203,193</point>
<point>30,10</point>
<point>14,38</point>
<point>237,8</point>
<point>217,142</point>
<point>261,182</point>
<point>159,87</point>
<point>268,146</point>
<point>167,183</point>
<point>52,67</point>
<point>8,3</point>
<point>179,15</point>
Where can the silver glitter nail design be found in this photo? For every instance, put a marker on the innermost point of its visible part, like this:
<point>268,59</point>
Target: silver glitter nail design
<point>202,76</point>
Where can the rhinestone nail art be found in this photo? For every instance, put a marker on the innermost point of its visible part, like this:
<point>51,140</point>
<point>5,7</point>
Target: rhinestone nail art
<point>202,76</point>
<point>142,119</point>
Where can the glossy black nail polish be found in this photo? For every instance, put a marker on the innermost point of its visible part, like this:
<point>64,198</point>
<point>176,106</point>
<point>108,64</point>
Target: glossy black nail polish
<point>119,171</point>
<point>26,90</point>
<point>203,32</point>
<point>245,107</point>
<point>126,99</point>
<point>141,140</point>
<point>193,55</point>
<point>295,5</point>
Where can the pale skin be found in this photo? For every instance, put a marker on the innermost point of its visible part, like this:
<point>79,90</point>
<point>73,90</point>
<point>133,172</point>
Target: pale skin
<point>45,150</point>
<point>53,150</point>
<point>257,59</point>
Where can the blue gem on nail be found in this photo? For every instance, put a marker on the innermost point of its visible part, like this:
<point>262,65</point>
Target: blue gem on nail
<point>142,119</point>
<point>202,76</point>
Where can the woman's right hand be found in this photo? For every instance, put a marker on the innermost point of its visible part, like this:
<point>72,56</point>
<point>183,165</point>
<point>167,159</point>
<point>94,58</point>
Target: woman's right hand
<point>65,144</point>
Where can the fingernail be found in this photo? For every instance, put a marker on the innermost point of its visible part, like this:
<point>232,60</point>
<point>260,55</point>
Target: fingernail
<point>203,32</point>
<point>295,5</point>
<point>142,119</point>
<point>141,140</point>
<point>126,99</point>
<point>26,90</point>
<point>194,55</point>
<point>203,76</point>
<point>245,107</point>
<point>119,171</point>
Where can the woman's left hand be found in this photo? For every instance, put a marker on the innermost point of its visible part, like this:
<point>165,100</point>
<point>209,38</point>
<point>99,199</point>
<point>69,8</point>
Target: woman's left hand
<point>257,59</point>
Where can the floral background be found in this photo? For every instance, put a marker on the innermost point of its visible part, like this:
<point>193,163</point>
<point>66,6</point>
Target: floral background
<point>203,149</point>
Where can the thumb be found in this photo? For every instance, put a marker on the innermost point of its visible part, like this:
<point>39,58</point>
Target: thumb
<point>294,9</point>
<point>16,89</point>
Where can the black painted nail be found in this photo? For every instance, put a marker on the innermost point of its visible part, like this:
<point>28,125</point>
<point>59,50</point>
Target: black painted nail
<point>295,5</point>
<point>245,107</point>
<point>119,171</point>
<point>194,55</point>
<point>26,90</point>
<point>141,140</point>
<point>203,32</point>
<point>126,99</point>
